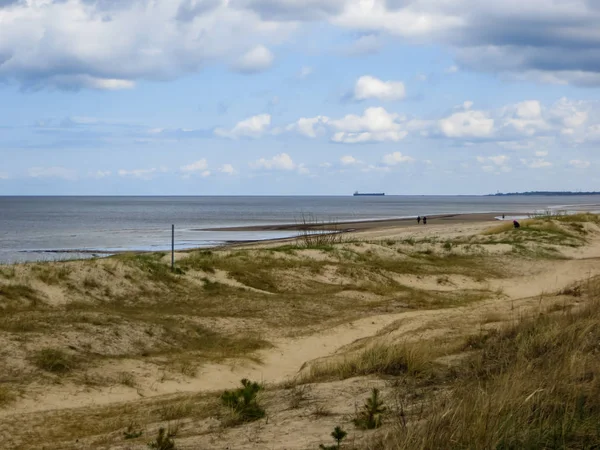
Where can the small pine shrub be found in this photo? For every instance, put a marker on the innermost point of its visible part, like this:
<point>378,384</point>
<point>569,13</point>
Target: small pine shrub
<point>338,436</point>
<point>243,401</point>
<point>163,441</point>
<point>371,415</point>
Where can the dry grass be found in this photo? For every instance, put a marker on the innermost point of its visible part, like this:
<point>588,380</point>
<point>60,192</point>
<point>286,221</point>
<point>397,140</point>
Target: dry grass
<point>53,360</point>
<point>533,385</point>
<point>379,359</point>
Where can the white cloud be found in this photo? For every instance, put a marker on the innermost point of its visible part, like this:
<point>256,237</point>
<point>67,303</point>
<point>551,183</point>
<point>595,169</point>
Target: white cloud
<point>228,169</point>
<point>349,160</point>
<point>370,87</point>
<point>99,174</point>
<point>499,160</point>
<point>499,163</point>
<point>255,60</point>
<point>109,44</point>
<point>578,164</point>
<point>142,174</point>
<point>196,167</point>
<point>252,127</point>
<point>52,172</point>
<point>205,174</point>
<point>475,124</point>
<point>282,161</point>
<point>375,125</point>
<point>538,163</point>
<point>541,153</point>
<point>395,158</point>
<point>4,176</point>
<point>451,69</point>
<point>309,126</point>
<point>468,104</point>
<point>364,45</point>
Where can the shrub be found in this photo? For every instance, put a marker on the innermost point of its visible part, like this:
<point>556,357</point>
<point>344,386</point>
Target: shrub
<point>338,435</point>
<point>53,360</point>
<point>243,401</point>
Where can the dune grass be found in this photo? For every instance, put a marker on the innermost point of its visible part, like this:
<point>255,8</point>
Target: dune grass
<point>395,359</point>
<point>532,385</point>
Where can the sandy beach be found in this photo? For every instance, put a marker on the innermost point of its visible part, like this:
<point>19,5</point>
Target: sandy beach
<point>121,340</point>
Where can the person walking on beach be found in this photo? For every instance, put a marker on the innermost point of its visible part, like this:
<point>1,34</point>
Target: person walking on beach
<point>424,220</point>
<point>418,220</point>
<point>516,224</point>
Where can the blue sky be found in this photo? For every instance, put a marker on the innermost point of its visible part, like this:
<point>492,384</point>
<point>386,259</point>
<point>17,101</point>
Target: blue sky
<point>276,97</point>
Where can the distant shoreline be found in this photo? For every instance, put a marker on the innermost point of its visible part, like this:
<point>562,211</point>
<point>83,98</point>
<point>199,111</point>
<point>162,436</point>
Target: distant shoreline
<point>543,194</point>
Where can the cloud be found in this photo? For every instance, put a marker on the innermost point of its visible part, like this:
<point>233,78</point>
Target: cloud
<point>142,174</point>
<point>99,174</point>
<point>196,167</point>
<point>499,163</point>
<point>227,169</point>
<point>110,45</point>
<point>451,69</point>
<point>255,60</point>
<point>546,40</point>
<point>368,87</point>
<point>349,160</point>
<point>578,164</point>
<point>469,124</point>
<point>52,172</point>
<point>292,10</point>
<point>253,127</point>
<point>538,163</point>
<point>309,126</point>
<point>282,161</point>
<point>4,176</point>
<point>395,158</point>
<point>541,153</point>
<point>375,125</point>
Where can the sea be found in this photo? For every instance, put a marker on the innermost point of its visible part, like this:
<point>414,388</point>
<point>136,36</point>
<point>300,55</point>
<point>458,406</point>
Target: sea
<point>53,228</point>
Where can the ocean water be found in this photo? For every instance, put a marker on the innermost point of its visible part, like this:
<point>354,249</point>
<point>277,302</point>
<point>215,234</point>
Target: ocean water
<point>41,228</point>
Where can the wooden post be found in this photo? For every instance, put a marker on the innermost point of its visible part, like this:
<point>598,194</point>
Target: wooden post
<point>172,248</point>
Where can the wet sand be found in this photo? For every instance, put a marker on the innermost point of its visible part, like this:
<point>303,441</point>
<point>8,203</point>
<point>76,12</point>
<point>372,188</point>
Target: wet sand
<point>449,219</point>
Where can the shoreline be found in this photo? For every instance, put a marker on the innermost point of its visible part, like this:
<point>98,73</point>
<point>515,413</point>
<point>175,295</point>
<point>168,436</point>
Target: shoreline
<point>369,224</point>
<point>333,227</point>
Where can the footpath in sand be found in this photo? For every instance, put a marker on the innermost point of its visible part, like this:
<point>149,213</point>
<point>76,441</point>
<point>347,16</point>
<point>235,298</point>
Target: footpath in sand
<point>529,284</point>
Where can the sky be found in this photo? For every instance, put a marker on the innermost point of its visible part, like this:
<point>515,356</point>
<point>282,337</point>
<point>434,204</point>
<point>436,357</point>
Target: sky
<point>298,97</point>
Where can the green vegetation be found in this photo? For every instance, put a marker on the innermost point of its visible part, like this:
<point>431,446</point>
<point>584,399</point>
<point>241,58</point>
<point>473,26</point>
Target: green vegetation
<point>370,416</point>
<point>338,436</point>
<point>243,402</point>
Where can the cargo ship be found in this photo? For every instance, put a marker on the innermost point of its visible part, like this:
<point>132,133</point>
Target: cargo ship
<point>369,194</point>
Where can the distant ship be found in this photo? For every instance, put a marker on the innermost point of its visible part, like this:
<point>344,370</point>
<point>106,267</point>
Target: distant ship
<point>369,194</point>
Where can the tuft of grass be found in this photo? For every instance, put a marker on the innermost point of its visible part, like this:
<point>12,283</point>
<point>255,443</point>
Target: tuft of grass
<point>379,359</point>
<point>11,293</point>
<point>51,273</point>
<point>8,271</point>
<point>53,360</point>
<point>164,440</point>
<point>533,384</point>
<point>175,411</point>
<point>90,283</point>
